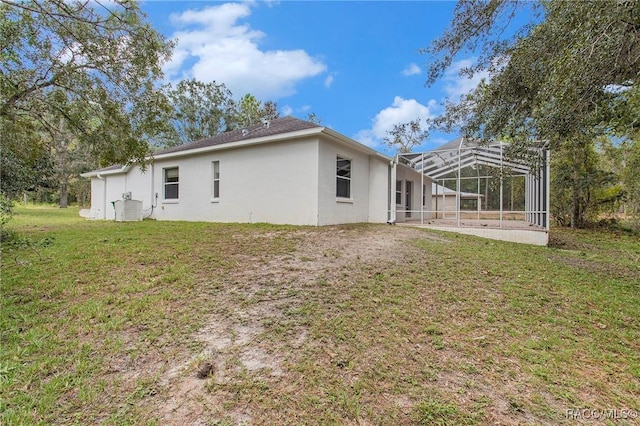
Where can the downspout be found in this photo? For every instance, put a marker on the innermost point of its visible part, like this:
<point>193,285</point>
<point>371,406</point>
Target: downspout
<point>154,195</point>
<point>423,200</point>
<point>392,195</point>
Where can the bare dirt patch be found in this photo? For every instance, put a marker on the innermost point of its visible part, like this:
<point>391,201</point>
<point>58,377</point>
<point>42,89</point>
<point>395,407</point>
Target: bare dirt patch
<point>260,292</point>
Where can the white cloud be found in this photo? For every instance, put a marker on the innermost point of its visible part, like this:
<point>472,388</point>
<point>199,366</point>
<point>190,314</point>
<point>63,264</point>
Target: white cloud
<point>412,69</point>
<point>289,110</point>
<point>366,137</point>
<point>456,85</point>
<point>328,81</point>
<point>214,45</point>
<point>286,110</point>
<point>401,111</point>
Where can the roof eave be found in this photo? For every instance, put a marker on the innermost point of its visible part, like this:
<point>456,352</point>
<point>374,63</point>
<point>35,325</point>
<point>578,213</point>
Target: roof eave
<point>98,173</point>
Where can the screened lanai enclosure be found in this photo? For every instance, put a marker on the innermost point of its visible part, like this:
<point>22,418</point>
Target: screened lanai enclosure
<point>478,185</point>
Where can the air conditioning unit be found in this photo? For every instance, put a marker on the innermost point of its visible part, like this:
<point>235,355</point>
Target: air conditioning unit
<point>128,210</point>
<point>126,195</point>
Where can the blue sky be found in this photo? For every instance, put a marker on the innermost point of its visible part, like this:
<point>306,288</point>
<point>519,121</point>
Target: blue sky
<point>355,64</point>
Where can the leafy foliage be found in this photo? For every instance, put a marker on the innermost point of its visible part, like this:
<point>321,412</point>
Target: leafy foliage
<point>198,110</point>
<point>405,136</point>
<point>313,118</point>
<point>250,110</point>
<point>93,64</point>
<point>557,80</point>
<point>5,210</point>
<point>23,158</point>
<point>68,157</point>
<point>631,179</point>
<point>566,77</point>
<point>579,181</point>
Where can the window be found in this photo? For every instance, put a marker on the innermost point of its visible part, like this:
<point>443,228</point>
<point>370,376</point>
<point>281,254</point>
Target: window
<point>171,183</point>
<point>398,192</point>
<point>343,178</point>
<point>424,195</point>
<point>408,199</point>
<point>216,179</point>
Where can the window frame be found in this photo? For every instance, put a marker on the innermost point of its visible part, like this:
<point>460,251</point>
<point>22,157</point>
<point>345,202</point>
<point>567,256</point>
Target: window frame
<point>341,178</point>
<point>215,179</point>
<point>399,192</point>
<point>166,184</point>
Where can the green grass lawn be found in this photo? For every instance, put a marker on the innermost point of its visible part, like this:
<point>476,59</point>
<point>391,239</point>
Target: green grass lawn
<point>105,322</point>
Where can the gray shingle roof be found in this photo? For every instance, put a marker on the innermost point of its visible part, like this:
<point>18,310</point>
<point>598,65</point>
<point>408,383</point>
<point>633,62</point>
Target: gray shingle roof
<point>277,126</point>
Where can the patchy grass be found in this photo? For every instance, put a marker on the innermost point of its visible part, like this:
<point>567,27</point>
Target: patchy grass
<point>355,324</point>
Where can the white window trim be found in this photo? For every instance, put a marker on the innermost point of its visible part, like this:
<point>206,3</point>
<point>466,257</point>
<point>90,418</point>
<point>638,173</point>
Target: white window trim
<point>348,199</point>
<point>401,192</point>
<point>215,199</point>
<point>344,200</point>
<point>165,183</point>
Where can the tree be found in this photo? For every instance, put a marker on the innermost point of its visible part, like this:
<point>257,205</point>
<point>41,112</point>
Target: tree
<point>405,136</point>
<point>25,163</point>
<point>566,77</point>
<point>68,157</point>
<point>101,59</point>
<point>623,160</point>
<point>198,110</point>
<point>313,118</point>
<point>249,111</point>
<point>582,186</point>
<point>631,180</point>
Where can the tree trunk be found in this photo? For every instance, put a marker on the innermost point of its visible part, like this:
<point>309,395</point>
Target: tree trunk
<point>63,196</point>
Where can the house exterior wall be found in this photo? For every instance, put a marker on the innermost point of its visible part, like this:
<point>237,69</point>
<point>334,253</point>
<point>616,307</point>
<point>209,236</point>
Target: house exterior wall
<point>114,186</point>
<point>333,210</point>
<point>280,182</point>
<point>379,174</point>
<point>273,183</point>
<point>98,187</point>
<point>109,188</point>
<point>406,174</point>
<point>138,182</point>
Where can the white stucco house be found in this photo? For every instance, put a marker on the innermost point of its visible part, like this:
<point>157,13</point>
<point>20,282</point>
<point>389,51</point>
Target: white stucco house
<point>286,171</point>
